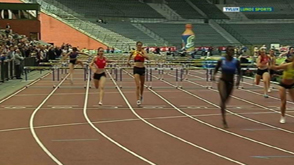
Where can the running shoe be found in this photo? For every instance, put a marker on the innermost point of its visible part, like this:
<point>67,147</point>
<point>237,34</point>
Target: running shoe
<point>265,96</point>
<point>139,102</point>
<point>283,120</point>
<point>269,90</point>
<point>100,103</point>
<point>141,99</point>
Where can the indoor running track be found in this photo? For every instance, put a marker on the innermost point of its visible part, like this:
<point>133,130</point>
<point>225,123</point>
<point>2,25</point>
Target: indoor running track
<point>41,125</point>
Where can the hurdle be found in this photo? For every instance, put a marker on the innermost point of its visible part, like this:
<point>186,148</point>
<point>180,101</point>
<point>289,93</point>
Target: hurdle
<point>150,70</point>
<point>180,77</point>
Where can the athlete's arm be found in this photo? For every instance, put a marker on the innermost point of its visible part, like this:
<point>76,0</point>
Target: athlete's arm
<point>258,62</point>
<point>282,66</point>
<point>84,54</point>
<point>109,61</point>
<point>66,55</point>
<point>93,66</point>
<point>144,54</point>
<point>218,65</point>
<point>283,54</point>
<point>130,59</point>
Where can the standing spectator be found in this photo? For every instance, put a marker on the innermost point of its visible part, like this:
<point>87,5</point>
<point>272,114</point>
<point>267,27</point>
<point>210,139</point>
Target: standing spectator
<point>51,54</point>
<point>58,51</point>
<point>17,62</point>
<point>10,54</point>
<point>7,32</point>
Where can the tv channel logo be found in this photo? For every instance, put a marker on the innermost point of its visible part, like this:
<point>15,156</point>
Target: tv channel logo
<point>231,9</point>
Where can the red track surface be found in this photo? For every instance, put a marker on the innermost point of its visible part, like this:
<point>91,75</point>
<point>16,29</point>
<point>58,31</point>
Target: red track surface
<point>172,127</point>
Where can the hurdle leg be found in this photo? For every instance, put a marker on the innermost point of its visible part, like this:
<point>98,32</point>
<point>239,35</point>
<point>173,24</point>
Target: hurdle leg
<point>147,77</point>
<point>240,86</point>
<point>85,74</point>
<point>177,78</point>
<point>208,79</point>
<point>181,78</point>
<point>57,74</point>
<point>26,74</point>
<point>53,77</point>
<point>120,75</point>
<point>187,74</point>
<point>159,72</point>
<point>53,74</point>
<point>150,83</point>
<point>115,76</point>
<point>163,71</point>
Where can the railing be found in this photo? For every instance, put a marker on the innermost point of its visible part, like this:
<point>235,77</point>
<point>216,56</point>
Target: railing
<point>172,15</point>
<point>7,68</point>
<point>233,32</point>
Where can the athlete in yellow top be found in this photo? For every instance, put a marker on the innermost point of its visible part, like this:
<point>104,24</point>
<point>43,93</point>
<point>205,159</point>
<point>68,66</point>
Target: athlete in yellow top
<point>287,83</point>
<point>139,56</point>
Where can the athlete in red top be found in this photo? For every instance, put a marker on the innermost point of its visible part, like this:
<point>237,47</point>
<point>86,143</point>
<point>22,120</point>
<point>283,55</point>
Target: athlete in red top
<point>139,57</point>
<point>98,65</point>
<point>263,63</point>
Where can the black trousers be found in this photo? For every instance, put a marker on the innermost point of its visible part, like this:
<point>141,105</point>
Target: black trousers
<point>17,71</point>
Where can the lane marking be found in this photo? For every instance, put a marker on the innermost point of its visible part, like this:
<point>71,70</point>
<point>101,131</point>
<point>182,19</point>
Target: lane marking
<point>121,120</point>
<point>168,133</point>
<point>210,125</point>
<point>73,140</point>
<point>243,117</point>
<point>32,124</point>
<point>292,116</point>
<point>152,107</point>
<point>20,90</point>
<point>232,133</point>
<point>103,134</point>
<point>260,129</point>
<point>195,107</point>
<point>268,157</point>
<point>62,94</point>
<point>15,107</point>
<point>61,107</point>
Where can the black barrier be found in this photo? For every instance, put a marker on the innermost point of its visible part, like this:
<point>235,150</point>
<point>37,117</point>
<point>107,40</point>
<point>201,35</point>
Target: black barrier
<point>1,71</point>
<point>7,68</point>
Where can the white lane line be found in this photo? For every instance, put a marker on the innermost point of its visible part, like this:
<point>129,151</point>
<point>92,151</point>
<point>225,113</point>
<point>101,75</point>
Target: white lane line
<point>243,117</point>
<point>212,126</point>
<point>170,134</point>
<point>122,120</point>
<point>244,100</point>
<point>32,125</point>
<point>259,129</point>
<point>232,133</point>
<point>18,91</point>
<point>103,134</point>
<point>73,140</point>
<point>261,87</point>
<point>61,94</point>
